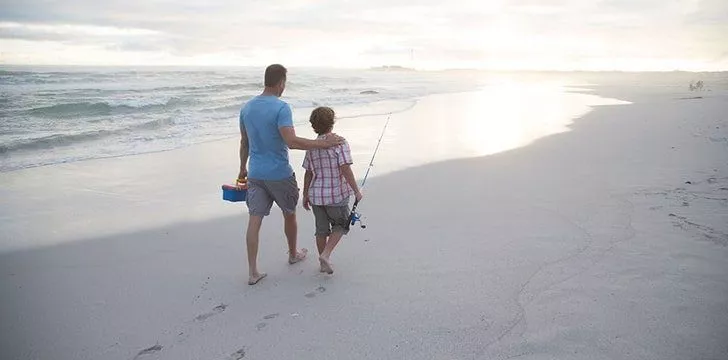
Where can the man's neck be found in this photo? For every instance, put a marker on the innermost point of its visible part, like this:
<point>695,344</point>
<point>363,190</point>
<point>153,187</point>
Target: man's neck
<point>270,92</point>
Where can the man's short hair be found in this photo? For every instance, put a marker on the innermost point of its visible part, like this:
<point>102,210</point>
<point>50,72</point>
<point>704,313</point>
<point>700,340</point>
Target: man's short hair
<point>274,74</point>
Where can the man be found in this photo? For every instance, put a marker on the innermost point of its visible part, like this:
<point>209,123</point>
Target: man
<point>266,134</point>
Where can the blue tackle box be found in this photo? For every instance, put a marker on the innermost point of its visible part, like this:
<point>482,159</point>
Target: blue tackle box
<point>235,193</point>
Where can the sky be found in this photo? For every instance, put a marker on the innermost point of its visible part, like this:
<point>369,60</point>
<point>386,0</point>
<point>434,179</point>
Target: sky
<point>630,35</point>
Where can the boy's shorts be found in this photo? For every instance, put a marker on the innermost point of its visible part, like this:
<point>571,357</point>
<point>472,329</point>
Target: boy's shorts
<point>331,218</point>
<point>262,194</point>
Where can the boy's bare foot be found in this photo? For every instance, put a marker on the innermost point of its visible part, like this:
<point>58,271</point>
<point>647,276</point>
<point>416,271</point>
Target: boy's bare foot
<point>326,265</point>
<point>299,256</point>
<point>255,278</point>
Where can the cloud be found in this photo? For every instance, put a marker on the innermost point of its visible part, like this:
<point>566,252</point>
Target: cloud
<point>27,33</point>
<point>330,32</point>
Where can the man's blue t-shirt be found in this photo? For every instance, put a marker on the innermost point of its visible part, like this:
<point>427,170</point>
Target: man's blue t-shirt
<point>261,118</point>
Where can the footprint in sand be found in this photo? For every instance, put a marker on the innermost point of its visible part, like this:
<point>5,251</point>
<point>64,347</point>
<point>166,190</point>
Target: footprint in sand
<point>149,351</point>
<point>216,310</point>
<point>203,288</point>
<point>312,294</point>
<point>182,337</point>
<point>237,355</point>
<point>707,232</point>
<point>263,324</point>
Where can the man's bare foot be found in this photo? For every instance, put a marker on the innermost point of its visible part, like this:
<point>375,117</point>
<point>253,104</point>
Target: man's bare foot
<point>255,278</point>
<point>299,256</point>
<point>326,265</point>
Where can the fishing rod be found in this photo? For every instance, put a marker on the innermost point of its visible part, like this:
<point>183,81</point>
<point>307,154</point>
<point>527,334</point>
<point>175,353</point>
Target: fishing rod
<point>355,216</point>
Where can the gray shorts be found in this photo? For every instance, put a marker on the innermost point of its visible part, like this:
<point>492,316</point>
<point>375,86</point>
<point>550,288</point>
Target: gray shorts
<point>262,194</point>
<point>331,219</point>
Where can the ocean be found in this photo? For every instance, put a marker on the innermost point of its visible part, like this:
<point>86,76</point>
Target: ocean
<point>51,115</point>
<point>56,115</point>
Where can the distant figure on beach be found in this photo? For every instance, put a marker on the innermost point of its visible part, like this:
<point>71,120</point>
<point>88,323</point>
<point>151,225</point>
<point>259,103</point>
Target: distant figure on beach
<point>696,85</point>
<point>266,134</point>
<point>327,187</point>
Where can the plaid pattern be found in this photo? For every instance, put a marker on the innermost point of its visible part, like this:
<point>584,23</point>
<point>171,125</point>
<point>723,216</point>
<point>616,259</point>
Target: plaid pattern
<point>328,186</point>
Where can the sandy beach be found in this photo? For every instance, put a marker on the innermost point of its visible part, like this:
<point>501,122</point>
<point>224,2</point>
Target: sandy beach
<point>602,235</point>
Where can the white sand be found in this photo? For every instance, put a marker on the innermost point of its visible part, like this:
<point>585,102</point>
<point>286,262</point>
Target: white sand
<point>586,244</point>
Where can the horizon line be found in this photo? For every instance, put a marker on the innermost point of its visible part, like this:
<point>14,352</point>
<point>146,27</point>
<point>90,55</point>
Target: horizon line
<point>377,67</point>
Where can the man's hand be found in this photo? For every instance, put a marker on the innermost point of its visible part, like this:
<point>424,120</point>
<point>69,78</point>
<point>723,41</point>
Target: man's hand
<point>243,174</point>
<point>306,203</point>
<point>358,196</point>
<point>333,140</point>
<point>288,133</point>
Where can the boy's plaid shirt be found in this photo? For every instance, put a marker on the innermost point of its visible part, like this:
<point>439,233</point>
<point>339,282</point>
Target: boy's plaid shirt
<point>328,186</point>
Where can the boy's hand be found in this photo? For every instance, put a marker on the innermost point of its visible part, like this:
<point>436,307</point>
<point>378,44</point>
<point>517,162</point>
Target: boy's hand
<point>358,196</point>
<point>306,203</point>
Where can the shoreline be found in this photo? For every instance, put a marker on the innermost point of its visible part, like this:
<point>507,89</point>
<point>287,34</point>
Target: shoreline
<point>105,191</point>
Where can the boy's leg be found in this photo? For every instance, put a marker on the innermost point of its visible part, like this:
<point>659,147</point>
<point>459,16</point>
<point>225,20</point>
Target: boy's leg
<point>326,254</point>
<point>339,217</point>
<point>331,243</point>
<point>323,229</point>
<point>321,243</point>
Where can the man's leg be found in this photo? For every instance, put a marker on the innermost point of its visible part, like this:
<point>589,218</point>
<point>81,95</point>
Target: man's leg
<point>259,203</point>
<point>290,227</point>
<point>285,194</point>
<point>252,240</point>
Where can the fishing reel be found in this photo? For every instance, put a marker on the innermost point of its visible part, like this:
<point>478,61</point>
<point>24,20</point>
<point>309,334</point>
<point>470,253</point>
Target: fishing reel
<point>356,217</point>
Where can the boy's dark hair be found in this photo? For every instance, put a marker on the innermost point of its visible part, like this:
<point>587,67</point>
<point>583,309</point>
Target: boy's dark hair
<point>274,74</point>
<point>322,119</point>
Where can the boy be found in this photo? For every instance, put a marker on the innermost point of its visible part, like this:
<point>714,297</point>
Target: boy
<point>327,187</point>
